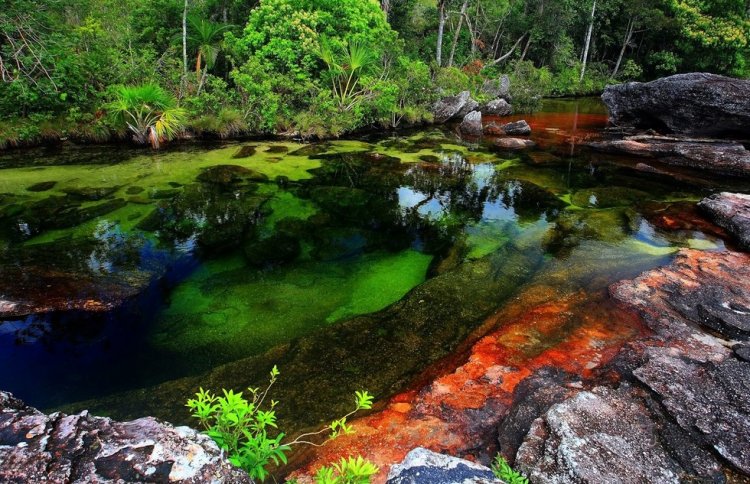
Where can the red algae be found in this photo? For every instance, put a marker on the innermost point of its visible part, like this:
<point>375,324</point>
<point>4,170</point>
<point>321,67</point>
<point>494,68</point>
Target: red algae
<point>459,410</point>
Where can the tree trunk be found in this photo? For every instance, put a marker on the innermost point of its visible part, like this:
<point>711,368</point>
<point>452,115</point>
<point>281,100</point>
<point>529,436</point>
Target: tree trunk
<point>588,41</point>
<point>441,29</point>
<point>184,39</point>
<point>628,36</point>
<point>457,33</point>
<point>386,6</point>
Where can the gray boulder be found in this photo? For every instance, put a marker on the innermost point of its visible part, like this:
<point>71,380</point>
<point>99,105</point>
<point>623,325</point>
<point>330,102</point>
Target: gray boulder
<point>471,105</point>
<point>450,107</point>
<point>692,104</point>
<point>598,436</point>
<point>499,88</point>
<point>517,128</point>
<point>497,107</point>
<point>472,124</point>
<point>35,447</point>
<point>732,212</point>
<point>422,466</point>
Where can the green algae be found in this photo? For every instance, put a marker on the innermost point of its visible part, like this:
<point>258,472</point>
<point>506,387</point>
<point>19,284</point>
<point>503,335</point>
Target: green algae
<point>229,306</point>
<point>381,282</point>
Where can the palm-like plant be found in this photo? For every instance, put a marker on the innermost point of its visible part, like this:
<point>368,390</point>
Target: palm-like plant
<point>345,70</point>
<point>206,38</point>
<point>149,112</point>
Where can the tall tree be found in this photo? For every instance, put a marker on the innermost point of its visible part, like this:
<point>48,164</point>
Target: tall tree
<point>441,31</point>
<point>457,33</point>
<point>585,58</point>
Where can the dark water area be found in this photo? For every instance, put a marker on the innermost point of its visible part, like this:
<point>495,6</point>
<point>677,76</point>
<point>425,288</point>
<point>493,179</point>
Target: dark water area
<point>351,264</point>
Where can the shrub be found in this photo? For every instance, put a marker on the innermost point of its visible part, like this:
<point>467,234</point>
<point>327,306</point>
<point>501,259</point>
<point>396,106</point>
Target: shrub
<point>244,428</point>
<point>505,472</point>
<point>347,471</point>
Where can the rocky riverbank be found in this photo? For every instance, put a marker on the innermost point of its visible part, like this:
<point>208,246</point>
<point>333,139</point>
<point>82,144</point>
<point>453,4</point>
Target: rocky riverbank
<point>696,121</point>
<point>664,404</point>
<point>81,448</point>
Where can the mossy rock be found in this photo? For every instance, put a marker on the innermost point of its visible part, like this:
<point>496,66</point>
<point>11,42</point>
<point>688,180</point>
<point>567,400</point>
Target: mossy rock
<point>277,149</point>
<point>311,149</point>
<point>164,194</point>
<point>229,175</point>
<point>90,193</point>
<point>134,190</point>
<point>42,186</point>
<point>244,152</point>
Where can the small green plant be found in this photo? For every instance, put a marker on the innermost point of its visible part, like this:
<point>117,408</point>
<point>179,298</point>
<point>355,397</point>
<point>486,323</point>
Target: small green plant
<point>347,471</point>
<point>505,472</point>
<point>245,429</point>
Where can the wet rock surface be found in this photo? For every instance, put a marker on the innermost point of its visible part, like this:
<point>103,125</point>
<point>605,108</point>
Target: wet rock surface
<point>513,143</point>
<point>732,212</point>
<point>693,104</point>
<point>720,157</point>
<point>516,128</point>
<point>35,447</point>
<point>422,466</point>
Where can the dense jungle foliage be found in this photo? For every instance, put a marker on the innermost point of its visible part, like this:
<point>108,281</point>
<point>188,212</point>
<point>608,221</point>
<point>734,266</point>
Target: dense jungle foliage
<point>91,69</point>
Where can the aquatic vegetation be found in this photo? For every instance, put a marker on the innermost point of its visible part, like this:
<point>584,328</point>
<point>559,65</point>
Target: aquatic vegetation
<point>241,427</point>
<point>346,261</point>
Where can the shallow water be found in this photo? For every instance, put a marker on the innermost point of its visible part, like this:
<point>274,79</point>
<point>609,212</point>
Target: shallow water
<point>352,264</point>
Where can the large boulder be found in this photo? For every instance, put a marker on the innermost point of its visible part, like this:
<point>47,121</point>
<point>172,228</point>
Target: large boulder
<point>472,124</point>
<point>498,88</point>
<point>497,107</point>
<point>516,128</point>
<point>453,107</point>
<point>732,212</point>
<point>692,104</point>
<point>35,447</point>
<point>422,466</point>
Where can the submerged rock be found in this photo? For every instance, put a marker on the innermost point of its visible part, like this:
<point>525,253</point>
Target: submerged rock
<point>422,466</point>
<point>244,152</point>
<point>472,124</point>
<point>516,128</point>
<point>513,143</point>
<point>42,186</point>
<point>228,175</point>
<point>732,212</point>
<point>35,447</point>
<point>90,193</point>
<point>693,104</point>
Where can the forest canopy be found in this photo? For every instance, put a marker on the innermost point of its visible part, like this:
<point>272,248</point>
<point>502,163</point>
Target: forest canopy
<point>326,67</point>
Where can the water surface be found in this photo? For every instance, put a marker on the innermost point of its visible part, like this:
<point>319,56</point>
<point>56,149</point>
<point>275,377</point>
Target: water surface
<point>352,264</point>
